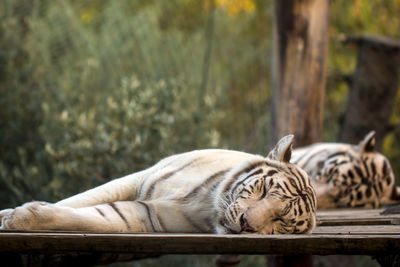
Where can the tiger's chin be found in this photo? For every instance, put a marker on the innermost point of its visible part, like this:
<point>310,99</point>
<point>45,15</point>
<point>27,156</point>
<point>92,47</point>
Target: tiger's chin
<point>222,228</point>
<point>225,229</point>
<point>229,231</point>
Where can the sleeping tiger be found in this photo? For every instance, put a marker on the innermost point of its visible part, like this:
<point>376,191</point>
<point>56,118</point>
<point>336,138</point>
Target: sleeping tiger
<point>345,175</point>
<point>222,191</point>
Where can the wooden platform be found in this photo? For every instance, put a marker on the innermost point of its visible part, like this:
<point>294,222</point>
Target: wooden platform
<point>362,232</point>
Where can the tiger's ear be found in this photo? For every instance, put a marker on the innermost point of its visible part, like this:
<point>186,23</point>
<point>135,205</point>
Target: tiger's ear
<point>282,150</point>
<point>368,143</point>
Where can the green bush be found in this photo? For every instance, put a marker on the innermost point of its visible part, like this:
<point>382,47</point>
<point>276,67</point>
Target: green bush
<point>100,90</point>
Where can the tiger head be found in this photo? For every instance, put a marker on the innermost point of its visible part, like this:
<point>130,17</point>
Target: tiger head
<point>267,195</point>
<point>355,176</point>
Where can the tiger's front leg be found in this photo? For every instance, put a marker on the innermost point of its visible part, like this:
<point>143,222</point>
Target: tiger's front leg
<point>122,216</point>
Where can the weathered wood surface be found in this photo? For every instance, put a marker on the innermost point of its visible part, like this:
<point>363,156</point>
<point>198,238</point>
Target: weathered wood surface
<point>66,243</point>
<point>374,85</point>
<point>298,73</point>
<point>356,217</point>
<point>359,232</point>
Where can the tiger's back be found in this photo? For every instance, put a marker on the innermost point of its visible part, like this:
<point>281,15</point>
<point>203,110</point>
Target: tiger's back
<point>188,174</point>
<point>347,175</point>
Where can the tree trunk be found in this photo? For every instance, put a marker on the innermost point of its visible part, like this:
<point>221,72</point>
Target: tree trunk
<point>373,89</point>
<point>298,80</point>
<point>298,72</point>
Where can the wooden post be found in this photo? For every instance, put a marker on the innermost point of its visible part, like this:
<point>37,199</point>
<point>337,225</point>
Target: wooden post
<point>373,89</point>
<point>298,71</point>
<point>298,80</point>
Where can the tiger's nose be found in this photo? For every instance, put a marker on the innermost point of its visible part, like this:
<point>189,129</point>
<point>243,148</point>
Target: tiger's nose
<point>244,225</point>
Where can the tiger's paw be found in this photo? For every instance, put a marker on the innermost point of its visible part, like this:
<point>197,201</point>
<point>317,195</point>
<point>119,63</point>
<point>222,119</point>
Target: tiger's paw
<point>30,216</point>
<point>3,214</point>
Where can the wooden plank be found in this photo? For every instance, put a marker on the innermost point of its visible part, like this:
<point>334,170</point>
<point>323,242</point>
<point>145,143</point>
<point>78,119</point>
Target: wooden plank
<point>67,243</point>
<point>356,229</point>
<point>354,213</point>
<point>358,221</point>
<point>349,212</point>
<point>356,217</point>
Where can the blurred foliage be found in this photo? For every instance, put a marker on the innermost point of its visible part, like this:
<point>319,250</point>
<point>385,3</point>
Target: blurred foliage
<point>102,89</point>
<point>105,88</point>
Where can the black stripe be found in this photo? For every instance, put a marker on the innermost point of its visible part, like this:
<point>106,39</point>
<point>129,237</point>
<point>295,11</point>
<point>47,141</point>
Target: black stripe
<point>245,190</point>
<point>206,182</point>
<point>231,213</point>
<point>300,209</point>
<point>286,210</point>
<point>368,192</point>
<point>212,189</point>
<point>310,202</point>
<point>313,199</point>
<point>112,205</point>
<point>164,177</point>
<point>298,188</point>
<point>271,172</point>
<point>235,209</point>
<point>101,213</point>
<point>246,178</point>
<point>306,204</point>
<point>375,190</point>
<point>193,223</point>
<point>293,181</point>
<point>271,183</point>
<point>294,184</point>
<point>258,171</point>
<point>148,214</point>
<point>237,174</point>
<point>331,175</point>
<point>360,173</point>
<point>280,187</point>
<point>160,222</point>
<point>287,188</point>
<point>380,186</point>
<point>384,168</point>
<point>302,179</point>
<point>366,168</point>
<point>307,154</point>
<point>264,193</point>
<point>341,163</point>
<point>336,154</point>
<point>373,168</point>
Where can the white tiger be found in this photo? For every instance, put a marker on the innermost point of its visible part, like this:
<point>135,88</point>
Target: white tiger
<point>220,191</point>
<point>346,175</point>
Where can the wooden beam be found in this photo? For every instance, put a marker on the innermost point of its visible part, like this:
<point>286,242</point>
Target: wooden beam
<point>358,230</point>
<point>373,89</point>
<point>78,243</point>
<point>356,217</point>
<point>298,69</point>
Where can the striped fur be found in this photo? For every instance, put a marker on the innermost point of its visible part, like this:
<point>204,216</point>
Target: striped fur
<point>211,190</point>
<point>347,175</point>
